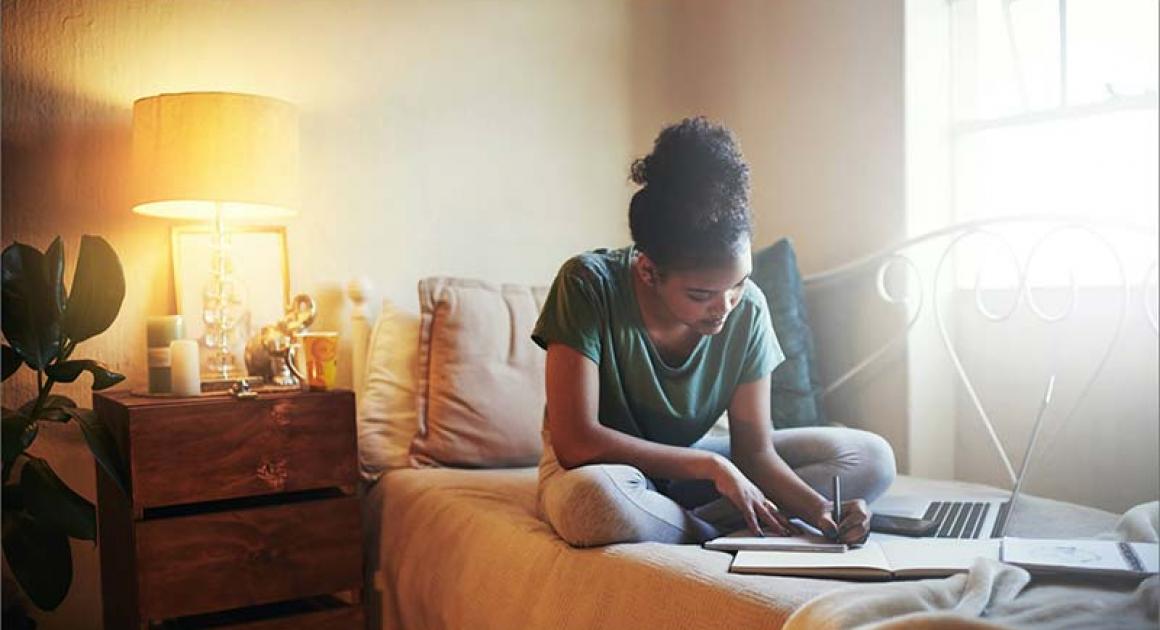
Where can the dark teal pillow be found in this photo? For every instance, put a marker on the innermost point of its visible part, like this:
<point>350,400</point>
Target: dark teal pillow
<point>796,399</point>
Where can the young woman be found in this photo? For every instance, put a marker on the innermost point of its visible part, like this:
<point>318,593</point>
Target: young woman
<point>649,344</point>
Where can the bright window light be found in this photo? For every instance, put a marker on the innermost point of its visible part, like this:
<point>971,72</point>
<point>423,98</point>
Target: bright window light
<point>1055,113</point>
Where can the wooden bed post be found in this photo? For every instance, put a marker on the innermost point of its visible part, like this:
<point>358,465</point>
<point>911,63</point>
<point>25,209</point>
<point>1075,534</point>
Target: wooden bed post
<point>360,331</point>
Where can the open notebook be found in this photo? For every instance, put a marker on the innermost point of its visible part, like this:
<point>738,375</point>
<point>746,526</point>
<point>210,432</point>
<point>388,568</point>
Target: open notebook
<point>875,560</point>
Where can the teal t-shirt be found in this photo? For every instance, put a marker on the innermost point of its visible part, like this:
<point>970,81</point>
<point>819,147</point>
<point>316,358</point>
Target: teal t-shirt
<point>592,308</point>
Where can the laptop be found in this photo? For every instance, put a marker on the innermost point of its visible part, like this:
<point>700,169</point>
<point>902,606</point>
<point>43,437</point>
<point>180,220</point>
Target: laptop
<point>968,517</point>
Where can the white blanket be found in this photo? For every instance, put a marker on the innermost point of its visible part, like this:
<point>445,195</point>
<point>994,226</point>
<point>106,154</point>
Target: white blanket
<point>996,595</point>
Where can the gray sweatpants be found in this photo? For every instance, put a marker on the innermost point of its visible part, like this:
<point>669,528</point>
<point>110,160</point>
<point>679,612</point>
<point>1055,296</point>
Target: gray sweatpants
<point>601,504</point>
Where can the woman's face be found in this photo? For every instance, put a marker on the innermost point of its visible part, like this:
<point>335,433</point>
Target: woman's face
<point>703,298</point>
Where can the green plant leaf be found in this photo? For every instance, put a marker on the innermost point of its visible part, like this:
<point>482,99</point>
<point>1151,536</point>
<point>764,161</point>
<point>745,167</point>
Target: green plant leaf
<point>55,504</point>
<point>18,432</point>
<point>40,558</point>
<point>102,444</point>
<point>31,323</point>
<point>68,371</point>
<point>12,497</point>
<point>98,288</point>
<point>11,361</point>
<point>52,410</point>
<point>54,274</point>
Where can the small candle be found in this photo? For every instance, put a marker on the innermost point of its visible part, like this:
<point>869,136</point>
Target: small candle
<point>160,332</point>
<point>185,367</point>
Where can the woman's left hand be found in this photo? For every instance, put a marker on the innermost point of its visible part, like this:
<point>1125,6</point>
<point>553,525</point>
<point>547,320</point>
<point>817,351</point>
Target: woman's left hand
<point>855,525</point>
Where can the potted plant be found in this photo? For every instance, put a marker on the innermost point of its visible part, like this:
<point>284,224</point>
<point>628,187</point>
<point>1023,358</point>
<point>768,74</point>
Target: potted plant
<point>43,322</point>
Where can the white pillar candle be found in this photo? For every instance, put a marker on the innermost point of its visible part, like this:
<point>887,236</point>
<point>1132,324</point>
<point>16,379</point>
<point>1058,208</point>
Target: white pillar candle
<point>185,368</point>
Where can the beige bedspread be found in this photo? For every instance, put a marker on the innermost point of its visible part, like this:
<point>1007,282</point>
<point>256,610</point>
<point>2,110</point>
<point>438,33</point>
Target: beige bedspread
<point>463,549</point>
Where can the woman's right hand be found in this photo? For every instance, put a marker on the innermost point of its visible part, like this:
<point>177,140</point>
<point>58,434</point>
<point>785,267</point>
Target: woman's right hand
<point>749,500</point>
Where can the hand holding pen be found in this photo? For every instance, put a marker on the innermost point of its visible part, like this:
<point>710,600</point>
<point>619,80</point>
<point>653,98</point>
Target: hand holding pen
<point>844,521</point>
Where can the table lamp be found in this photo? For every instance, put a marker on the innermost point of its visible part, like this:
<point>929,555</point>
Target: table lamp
<point>220,157</point>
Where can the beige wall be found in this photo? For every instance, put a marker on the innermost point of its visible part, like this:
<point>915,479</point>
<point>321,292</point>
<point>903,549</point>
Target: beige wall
<point>814,92</point>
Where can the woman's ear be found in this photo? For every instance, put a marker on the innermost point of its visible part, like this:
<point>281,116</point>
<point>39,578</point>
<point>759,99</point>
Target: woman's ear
<point>648,270</point>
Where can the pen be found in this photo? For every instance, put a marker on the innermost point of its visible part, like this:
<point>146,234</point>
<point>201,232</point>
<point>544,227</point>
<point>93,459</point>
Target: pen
<point>836,512</point>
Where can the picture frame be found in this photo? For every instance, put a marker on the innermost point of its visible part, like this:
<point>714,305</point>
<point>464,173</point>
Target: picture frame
<point>261,266</point>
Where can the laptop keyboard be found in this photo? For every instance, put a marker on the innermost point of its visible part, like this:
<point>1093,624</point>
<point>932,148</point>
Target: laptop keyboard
<point>964,519</point>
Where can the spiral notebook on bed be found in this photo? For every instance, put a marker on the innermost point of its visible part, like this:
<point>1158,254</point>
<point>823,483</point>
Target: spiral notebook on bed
<point>1083,557</point>
<point>882,560</point>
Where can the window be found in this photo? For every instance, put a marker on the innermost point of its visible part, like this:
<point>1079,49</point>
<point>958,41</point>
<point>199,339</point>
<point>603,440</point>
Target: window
<point>1054,112</point>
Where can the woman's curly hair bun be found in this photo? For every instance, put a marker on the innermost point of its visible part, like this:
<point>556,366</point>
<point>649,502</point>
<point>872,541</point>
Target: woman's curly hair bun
<point>693,209</point>
<point>693,151</point>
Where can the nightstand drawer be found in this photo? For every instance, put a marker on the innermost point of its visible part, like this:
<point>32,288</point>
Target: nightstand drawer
<point>194,564</point>
<point>225,449</point>
<point>345,618</point>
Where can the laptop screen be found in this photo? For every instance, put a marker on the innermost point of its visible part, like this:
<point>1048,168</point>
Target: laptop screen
<point>1027,455</point>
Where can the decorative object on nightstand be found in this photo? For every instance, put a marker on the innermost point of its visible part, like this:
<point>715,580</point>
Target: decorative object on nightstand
<point>267,353</point>
<point>161,330</point>
<point>319,362</point>
<point>240,510</point>
<point>220,157</point>
<point>43,324</point>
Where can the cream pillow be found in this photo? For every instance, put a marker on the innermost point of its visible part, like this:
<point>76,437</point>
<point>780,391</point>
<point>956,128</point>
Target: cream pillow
<point>388,411</point>
<point>480,382</point>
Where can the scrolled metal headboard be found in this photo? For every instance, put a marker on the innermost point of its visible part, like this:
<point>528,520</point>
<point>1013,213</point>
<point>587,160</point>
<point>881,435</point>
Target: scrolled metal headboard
<point>916,298</point>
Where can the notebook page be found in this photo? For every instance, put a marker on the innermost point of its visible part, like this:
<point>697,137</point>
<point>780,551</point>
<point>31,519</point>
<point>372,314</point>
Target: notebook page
<point>937,556</point>
<point>1080,555</point>
<point>867,560</point>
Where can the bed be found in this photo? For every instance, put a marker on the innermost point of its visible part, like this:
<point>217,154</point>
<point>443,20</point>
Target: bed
<point>464,549</point>
<point>449,427</point>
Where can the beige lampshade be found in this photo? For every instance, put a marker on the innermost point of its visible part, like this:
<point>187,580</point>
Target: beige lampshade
<point>194,150</point>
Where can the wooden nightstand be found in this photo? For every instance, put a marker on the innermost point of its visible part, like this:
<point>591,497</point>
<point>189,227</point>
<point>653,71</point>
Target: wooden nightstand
<point>243,512</point>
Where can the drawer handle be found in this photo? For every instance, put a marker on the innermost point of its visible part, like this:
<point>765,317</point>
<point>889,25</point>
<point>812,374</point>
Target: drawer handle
<point>273,472</point>
<point>280,415</point>
<point>265,556</point>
